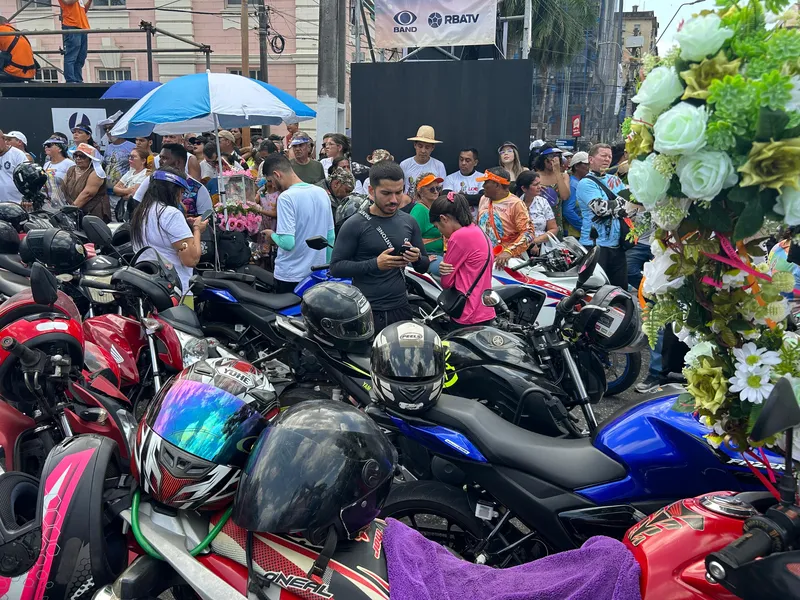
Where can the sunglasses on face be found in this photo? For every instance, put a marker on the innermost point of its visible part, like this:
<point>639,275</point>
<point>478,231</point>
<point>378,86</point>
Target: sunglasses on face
<point>49,145</point>
<point>436,188</point>
<point>195,141</point>
<point>80,157</point>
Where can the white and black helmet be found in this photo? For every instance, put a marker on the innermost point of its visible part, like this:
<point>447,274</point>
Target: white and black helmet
<point>407,367</point>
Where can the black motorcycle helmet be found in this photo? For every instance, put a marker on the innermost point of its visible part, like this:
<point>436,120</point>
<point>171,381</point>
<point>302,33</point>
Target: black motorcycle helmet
<point>29,178</point>
<point>407,367</point>
<point>339,315</point>
<point>323,465</point>
<point>9,239</point>
<point>61,251</point>
<point>611,319</point>
<point>13,213</point>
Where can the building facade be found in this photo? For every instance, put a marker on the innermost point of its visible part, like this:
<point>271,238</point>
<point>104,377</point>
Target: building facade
<point>639,35</point>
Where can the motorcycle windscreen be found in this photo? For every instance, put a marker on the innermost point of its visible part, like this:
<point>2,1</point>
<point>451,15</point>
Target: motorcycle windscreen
<point>206,421</point>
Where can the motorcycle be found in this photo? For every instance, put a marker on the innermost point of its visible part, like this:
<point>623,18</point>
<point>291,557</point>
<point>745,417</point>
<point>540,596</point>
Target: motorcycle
<point>49,396</point>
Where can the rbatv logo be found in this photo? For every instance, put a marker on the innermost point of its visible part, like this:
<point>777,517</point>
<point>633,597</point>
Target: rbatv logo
<point>405,19</point>
<point>436,19</point>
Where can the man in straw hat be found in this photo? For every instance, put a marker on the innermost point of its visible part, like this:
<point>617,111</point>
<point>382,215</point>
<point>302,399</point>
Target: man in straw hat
<point>422,162</point>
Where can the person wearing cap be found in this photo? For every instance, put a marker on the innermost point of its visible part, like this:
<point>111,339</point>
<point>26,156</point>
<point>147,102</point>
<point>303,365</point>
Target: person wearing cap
<point>76,46</point>
<point>82,134</point>
<point>503,217</point>
<point>555,184</point>
<point>160,225</point>
<point>56,167</point>
<point>227,145</point>
<point>303,212</point>
<point>508,157</point>
<point>10,158</point>
<point>429,187</point>
<point>422,162</point>
<point>375,245</point>
<point>306,168</point>
<point>18,140</point>
<point>85,183</point>
<point>602,209</point>
<point>579,168</point>
<point>339,185</point>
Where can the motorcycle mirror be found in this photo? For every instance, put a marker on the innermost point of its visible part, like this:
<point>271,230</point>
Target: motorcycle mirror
<point>491,298</point>
<point>588,267</point>
<point>44,285</point>
<point>97,231</point>
<point>780,412</point>
<point>317,242</point>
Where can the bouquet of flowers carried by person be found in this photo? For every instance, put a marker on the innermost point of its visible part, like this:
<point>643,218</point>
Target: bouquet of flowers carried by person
<point>233,216</point>
<point>715,151</point>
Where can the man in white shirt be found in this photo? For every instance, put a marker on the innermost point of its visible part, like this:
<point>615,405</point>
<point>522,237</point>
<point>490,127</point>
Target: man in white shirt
<point>464,181</point>
<point>10,158</point>
<point>422,162</point>
<point>303,212</point>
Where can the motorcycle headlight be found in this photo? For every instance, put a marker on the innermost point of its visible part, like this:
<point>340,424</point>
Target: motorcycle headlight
<point>192,349</point>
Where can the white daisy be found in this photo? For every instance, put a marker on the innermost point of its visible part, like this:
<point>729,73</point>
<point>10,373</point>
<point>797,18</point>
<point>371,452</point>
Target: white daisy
<point>734,278</point>
<point>752,384</point>
<point>750,357</point>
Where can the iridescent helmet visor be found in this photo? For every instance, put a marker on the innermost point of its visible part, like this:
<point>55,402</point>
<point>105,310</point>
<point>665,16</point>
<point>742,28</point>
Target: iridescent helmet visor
<point>206,421</point>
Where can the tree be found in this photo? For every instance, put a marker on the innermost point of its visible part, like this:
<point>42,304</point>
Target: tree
<point>558,34</point>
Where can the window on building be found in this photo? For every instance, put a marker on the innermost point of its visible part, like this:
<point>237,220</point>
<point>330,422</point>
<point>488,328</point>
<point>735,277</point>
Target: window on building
<point>47,76</point>
<point>35,4</point>
<point>254,73</point>
<point>238,3</point>
<point>107,3</point>
<point>113,75</point>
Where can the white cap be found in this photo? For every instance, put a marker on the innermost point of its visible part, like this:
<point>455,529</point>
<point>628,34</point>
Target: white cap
<point>579,157</point>
<point>17,135</point>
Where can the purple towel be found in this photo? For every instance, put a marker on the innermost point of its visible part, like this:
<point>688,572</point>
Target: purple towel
<point>602,569</point>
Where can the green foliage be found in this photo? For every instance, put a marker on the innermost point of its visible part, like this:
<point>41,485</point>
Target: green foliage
<point>684,404</point>
<point>720,135</point>
<point>736,101</point>
<point>790,360</point>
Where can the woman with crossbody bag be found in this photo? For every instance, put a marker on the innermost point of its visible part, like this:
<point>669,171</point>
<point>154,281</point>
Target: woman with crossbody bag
<point>466,268</point>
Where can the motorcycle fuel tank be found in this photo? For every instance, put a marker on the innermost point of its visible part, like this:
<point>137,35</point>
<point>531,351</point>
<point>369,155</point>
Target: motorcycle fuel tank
<point>488,345</point>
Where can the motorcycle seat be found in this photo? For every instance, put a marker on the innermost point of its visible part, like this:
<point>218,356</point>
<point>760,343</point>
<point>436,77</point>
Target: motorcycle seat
<point>11,283</point>
<point>247,294</point>
<point>13,264</point>
<point>262,276</point>
<point>569,463</point>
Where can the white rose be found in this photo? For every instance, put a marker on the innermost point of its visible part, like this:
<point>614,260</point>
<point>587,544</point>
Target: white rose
<point>681,130</point>
<point>659,89</point>
<point>704,174</point>
<point>656,280</point>
<point>701,37</point>
<point>692,358</point>
<point>647,185</point>
<point>645,114</point>
<point>788,205</point>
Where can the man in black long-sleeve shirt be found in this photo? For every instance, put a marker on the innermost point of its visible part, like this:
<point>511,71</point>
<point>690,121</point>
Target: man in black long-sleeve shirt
<point>365,245</point>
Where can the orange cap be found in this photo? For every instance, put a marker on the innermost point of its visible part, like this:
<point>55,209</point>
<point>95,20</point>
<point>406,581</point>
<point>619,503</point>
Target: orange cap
<point>428,179</point>
<point>488,176</point>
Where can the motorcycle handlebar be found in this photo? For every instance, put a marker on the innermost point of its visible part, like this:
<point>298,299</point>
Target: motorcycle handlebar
<point>753,544</point>
<point>98,285</point>
<point>528,263</point>
<point>21,351</point>
<point>568,303</point>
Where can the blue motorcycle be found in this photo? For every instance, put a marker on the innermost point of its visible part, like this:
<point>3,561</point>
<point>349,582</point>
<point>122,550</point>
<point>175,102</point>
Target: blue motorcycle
<point>241,316</point>
<point>502,495</point>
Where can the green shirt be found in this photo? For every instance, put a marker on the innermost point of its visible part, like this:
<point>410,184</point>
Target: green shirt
<point>421,215</point>
<point>311,172</point>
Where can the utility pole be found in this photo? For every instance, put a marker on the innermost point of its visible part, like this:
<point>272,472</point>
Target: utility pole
<point>357,11</point>
<point>263,53</point>
<point>527,23</point>
<point>565,103</point>
<point>328,70</point>
<point>245,60</point>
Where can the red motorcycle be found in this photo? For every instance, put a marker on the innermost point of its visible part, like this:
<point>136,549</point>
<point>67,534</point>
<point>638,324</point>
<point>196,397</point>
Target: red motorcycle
<point>48,395</point>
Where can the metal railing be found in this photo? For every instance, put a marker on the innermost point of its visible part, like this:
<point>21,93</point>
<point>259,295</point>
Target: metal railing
<point>144,27</point>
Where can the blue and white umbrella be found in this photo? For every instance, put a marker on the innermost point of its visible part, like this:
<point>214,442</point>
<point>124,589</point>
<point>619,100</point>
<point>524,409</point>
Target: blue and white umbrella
<point>129,90</point>
<point>207,102</point>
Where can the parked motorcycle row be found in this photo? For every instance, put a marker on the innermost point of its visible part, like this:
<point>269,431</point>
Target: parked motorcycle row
<point>241,450</point>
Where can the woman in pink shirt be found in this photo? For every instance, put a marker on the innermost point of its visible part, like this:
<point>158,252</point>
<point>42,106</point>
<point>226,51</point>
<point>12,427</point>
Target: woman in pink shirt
<point>467,250</point>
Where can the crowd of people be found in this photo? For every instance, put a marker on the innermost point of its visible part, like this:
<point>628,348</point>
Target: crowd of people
<point>407,213</point>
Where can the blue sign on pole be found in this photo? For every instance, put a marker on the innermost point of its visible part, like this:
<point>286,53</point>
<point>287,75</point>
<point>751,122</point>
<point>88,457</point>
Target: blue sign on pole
<point>564,143</point>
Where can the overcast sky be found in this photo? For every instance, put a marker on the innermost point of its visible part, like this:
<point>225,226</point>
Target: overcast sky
<point>664,10</point>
